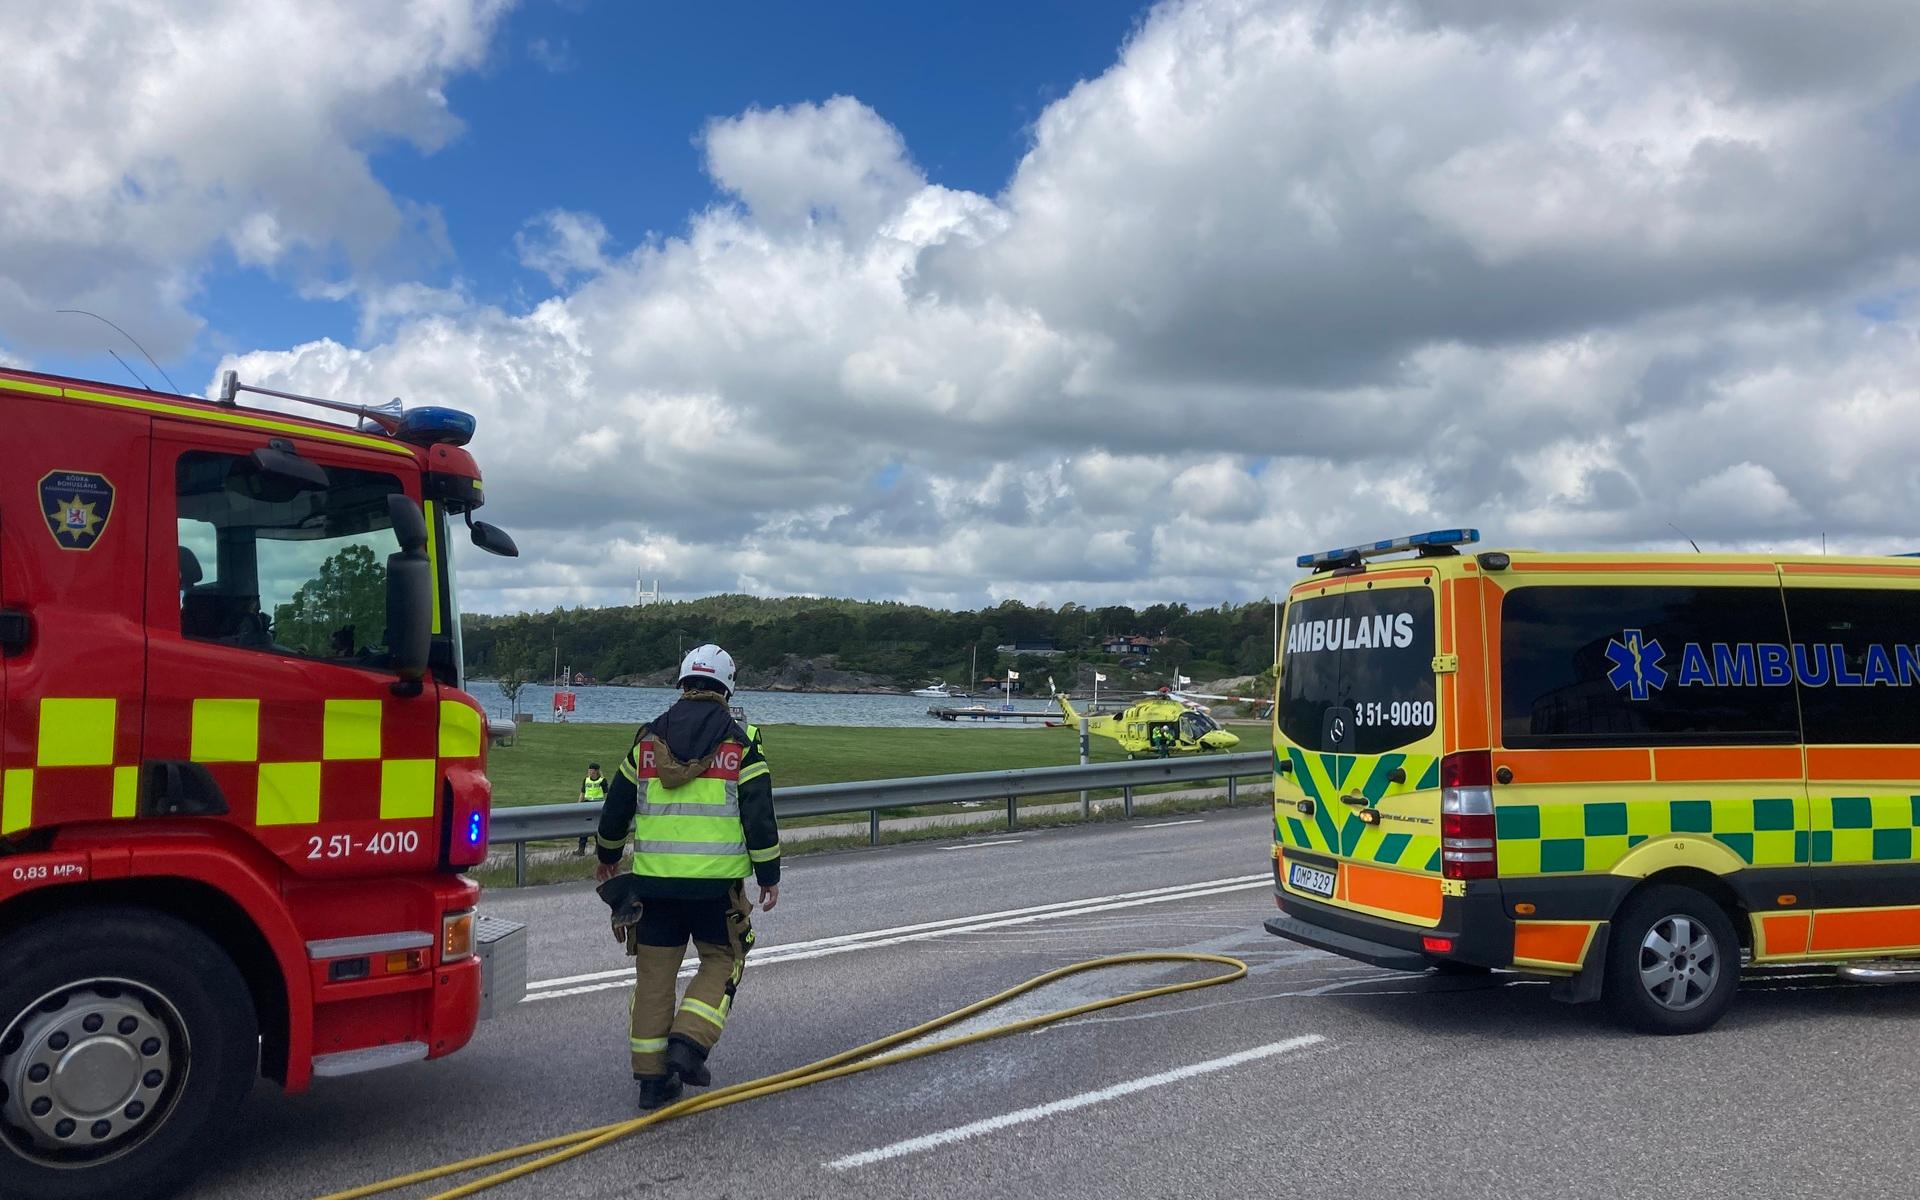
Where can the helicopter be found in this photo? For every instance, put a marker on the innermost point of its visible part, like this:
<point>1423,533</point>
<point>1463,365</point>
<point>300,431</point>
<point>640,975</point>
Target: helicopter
<point>1182,729</point>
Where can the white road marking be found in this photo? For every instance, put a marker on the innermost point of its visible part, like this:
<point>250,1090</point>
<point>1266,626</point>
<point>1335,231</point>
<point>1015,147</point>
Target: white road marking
<point>575,985</point>
<point>984,845</point>
<point>1169,824</point>
<point>961,1133</point>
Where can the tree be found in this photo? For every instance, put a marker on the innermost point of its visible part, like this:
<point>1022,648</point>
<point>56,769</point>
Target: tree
<point>511,681</point>
<point>349,593</point>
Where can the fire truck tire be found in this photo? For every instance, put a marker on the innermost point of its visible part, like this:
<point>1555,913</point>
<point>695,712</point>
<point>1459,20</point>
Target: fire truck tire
<point>1673,962</point>
<point>127,1039</point>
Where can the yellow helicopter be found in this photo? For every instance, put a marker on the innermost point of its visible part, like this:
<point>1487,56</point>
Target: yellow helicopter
<point>1159,725</point>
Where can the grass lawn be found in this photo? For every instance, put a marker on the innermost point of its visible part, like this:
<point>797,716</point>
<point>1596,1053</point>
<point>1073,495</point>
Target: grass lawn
<point>548,761</point>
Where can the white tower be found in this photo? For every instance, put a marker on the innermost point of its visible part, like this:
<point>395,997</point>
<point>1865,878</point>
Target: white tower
<point>642,596</point>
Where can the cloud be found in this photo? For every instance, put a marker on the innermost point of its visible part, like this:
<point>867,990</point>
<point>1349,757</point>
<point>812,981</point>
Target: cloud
<point>144,140</point>
<point>553,55</point>
<point>561,244</point>
<point>836,164</point>
<point>1285,276</point>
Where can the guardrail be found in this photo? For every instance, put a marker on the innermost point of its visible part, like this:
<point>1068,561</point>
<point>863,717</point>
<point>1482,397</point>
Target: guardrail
<point>559,822</point>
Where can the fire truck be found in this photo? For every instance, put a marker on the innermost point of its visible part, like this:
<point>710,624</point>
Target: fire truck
<point>239,775</point>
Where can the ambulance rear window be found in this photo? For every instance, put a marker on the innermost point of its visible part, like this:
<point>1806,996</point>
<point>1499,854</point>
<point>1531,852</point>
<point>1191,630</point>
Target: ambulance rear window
<point>1356,671</point>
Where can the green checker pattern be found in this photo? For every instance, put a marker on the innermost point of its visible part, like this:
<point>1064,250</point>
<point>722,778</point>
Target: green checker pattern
<point>1865,829</point>
<point>1336,828</point>
<point>1555,839</point>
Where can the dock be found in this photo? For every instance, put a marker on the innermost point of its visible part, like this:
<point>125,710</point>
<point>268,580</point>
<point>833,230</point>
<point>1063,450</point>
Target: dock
<point>980,712</point>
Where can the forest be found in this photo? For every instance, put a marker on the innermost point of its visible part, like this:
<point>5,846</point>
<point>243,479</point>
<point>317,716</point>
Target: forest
<point>900,644</point>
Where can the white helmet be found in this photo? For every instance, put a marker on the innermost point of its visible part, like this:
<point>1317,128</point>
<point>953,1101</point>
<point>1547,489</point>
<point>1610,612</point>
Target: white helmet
<point>708,662</point>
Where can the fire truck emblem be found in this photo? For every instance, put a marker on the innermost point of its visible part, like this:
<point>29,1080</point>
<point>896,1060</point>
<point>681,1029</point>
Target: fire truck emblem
<point>77,505</point>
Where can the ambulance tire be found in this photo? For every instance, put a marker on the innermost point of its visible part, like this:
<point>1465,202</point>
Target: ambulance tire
<point>182,981</point>
<point>1706,993</point>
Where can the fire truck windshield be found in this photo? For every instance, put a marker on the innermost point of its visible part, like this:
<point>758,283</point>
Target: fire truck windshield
<point>287,571</point>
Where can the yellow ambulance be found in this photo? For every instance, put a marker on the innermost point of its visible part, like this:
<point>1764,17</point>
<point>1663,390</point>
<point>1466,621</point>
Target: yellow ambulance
<point>1630,772</point>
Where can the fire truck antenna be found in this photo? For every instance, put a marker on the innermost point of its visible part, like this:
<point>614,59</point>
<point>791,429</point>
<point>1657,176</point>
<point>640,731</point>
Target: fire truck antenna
<point>136,344</point>
<point>129,370</point>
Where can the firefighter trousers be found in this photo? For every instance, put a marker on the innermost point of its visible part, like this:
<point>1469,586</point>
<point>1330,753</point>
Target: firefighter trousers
<point>722,933</point>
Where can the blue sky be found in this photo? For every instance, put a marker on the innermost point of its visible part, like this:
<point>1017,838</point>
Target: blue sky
<point>597,106</point>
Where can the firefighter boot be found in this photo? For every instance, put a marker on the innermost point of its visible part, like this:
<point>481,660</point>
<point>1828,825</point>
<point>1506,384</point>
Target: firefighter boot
<point>688,1061</point>
<point>658,1091</point>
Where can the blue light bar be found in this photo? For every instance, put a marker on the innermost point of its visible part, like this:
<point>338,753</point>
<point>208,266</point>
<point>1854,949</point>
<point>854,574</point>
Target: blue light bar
<point>1348,554</point>
<point>436,427</point>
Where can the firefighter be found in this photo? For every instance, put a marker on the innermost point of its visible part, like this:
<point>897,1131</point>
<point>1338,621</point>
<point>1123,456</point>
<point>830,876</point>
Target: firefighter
<point>697,794</point>
<point>593,790</point>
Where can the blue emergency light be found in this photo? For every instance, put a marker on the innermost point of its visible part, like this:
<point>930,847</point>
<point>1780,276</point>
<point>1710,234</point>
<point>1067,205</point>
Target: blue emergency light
<point>1353,554</point>
<point>474,825</point>
<point>436,427</point>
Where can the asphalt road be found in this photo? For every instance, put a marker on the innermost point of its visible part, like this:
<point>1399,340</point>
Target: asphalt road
<point>1315,1077</point>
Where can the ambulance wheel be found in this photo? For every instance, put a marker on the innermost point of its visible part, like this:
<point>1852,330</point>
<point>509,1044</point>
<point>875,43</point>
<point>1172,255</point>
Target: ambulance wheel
<point>127,1038</point>
<point>1673,961</point>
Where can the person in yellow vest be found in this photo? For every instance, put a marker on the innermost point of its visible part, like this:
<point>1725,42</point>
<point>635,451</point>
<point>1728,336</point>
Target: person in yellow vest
<point>697,796</point>
<point>593,790</point>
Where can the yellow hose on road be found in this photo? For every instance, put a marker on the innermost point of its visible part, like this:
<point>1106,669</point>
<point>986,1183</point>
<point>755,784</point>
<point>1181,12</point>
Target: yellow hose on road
<point>557,1150</point>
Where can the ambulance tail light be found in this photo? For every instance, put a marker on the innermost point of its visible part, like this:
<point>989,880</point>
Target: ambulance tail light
<point>1466,816</point>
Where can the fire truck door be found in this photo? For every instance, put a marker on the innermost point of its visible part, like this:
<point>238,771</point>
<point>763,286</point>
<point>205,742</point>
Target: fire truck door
<point>271,683</point>
<point>72,573</point>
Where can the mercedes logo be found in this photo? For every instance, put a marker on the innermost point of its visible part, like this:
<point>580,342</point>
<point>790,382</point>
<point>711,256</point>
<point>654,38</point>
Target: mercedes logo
<point>1339,730</point>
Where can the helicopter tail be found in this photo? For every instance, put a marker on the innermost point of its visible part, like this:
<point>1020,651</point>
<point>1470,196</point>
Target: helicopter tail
<point>1066,707</point>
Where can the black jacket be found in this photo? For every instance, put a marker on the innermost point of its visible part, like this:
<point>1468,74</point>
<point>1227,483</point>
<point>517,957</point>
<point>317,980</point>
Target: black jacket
<point>690,730</point>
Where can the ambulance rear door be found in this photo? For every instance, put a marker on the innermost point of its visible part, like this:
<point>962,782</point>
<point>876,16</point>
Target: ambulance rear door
<point>1358,737</point>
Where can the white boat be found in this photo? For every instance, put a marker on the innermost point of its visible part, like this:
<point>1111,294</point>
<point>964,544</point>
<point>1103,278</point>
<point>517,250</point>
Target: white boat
<point>940,689</point>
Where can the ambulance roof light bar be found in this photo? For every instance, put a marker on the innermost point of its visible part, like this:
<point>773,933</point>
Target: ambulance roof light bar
<point>387,417</point>
<point>1431,542</point>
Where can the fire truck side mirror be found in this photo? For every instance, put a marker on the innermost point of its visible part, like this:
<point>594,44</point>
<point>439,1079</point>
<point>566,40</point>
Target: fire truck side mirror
<point>494,540</point>
<point>410,585</point>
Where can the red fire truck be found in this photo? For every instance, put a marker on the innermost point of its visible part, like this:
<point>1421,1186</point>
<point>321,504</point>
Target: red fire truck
<point>239,777</point>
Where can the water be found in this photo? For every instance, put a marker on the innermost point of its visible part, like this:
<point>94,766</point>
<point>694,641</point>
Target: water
<point>631,706</point>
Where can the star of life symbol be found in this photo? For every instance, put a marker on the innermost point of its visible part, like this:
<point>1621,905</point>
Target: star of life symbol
<point>1636,664</point>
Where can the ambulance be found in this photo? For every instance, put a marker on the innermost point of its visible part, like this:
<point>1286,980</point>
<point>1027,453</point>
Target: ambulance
<point>239,775</point>
<point>1631,774</point>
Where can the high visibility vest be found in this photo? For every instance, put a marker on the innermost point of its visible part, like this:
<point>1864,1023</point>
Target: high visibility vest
<point>595,789</point>
<point>692,831</point>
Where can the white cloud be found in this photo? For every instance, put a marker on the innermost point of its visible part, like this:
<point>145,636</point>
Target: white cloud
<point>141,137</point>
<point>1286,276</point>
<point>836,164</point>
<point>561,244</point>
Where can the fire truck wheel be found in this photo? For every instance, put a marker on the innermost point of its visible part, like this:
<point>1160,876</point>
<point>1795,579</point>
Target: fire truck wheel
<point>126,1039</point>
<point>1673,961</point>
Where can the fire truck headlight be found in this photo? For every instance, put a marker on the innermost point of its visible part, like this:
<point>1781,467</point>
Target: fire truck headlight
<point>456,937</point>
